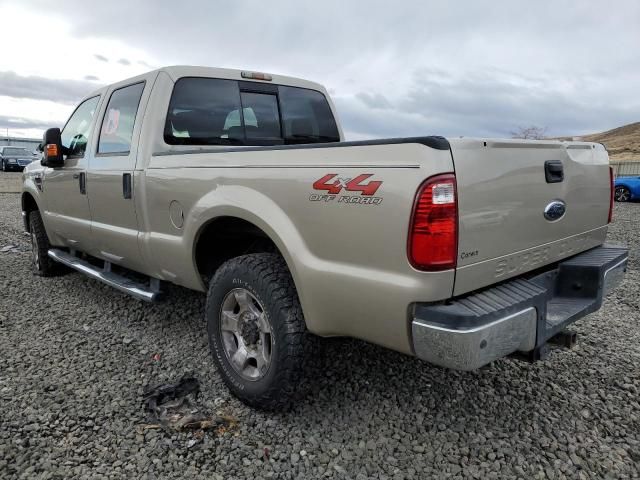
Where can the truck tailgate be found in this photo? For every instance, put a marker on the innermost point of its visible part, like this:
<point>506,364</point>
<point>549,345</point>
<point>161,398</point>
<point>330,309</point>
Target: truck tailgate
<point>504,189</point>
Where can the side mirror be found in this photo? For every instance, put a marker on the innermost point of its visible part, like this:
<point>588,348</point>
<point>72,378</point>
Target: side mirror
<point>52,145</point>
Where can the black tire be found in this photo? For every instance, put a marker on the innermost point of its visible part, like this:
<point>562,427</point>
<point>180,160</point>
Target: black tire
<point>41,264</point>
<point>4,168</point>
<point>622,194</point>
<point>267,278</point>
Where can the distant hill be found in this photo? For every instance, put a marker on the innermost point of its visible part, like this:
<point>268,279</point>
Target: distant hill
<point>623,143</point>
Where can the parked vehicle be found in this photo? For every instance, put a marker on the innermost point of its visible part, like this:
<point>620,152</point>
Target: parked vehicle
<point>627,188</point>
<point>14,158</point>
<point>240,184</point>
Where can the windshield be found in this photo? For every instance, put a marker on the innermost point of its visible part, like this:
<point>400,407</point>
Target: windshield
<point>209,111</point>
<point>15,151</point>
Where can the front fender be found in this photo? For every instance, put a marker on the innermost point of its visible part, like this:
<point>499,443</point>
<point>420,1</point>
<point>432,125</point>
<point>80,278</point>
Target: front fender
<point>31,198</point>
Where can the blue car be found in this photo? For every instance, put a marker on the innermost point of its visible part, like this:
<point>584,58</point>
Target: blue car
<point>627,188</point>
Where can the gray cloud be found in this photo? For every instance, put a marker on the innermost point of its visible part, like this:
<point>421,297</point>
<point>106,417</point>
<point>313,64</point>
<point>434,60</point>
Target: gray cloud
<point>41,88</point>
<point>124,61</point>
<point>102,58</point>
<point>481,68</point>
<point>19,123</point>
<point>91,78</point>
<point>375,101</point>
<point>480,104</point>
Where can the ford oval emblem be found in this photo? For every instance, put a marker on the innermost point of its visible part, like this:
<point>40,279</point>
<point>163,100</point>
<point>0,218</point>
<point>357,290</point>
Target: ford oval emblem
<point>555,210</point>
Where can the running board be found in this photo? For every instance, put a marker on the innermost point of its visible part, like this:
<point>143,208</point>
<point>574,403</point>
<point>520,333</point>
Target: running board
<point>137,290</point>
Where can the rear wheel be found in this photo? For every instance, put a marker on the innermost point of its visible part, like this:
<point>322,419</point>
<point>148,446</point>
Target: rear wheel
<point>622,194</point>
<point>41,264</point>
<point>4,167</point>
<point>256,330</point>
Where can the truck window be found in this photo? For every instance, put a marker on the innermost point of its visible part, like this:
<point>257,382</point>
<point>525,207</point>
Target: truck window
<point>307,116</point>
<point>118,121</point>
<point>261,117</point>
<point>204,111</point>
<point>207,111</point>
<point>75,133</point>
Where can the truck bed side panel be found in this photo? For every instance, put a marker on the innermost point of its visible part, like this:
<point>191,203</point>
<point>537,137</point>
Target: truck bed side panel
<point>348,258</point>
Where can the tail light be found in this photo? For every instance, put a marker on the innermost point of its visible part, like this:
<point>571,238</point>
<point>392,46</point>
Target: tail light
<point>433,233</point>
<point>612,190</point>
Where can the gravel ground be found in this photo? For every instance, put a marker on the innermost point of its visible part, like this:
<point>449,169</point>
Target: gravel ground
<point>10,182</point>
<point>75,356</point>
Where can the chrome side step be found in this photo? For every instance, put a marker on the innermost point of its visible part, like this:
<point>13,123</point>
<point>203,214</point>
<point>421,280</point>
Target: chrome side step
<point>137,290</point>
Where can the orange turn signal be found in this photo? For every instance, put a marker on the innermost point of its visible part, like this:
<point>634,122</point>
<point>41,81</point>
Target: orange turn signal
<point>52,150</point>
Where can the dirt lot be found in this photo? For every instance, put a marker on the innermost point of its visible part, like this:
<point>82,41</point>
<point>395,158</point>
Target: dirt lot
<point>75,356</point>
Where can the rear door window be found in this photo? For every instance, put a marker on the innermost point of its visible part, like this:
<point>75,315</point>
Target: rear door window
<point>119,120</point>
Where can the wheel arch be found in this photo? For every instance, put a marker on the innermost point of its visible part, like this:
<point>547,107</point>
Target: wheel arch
<point>28,204</point>
<point>237,232</point>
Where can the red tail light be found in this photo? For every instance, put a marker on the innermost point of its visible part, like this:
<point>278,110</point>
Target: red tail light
<point>612,191</point>
<point>433,233</point>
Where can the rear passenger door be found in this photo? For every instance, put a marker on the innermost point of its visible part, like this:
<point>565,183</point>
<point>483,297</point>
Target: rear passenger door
<point>111,176</point>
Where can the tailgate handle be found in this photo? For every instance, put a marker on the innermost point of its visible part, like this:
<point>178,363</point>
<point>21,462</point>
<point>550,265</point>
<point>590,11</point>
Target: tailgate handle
<point>553,171</point>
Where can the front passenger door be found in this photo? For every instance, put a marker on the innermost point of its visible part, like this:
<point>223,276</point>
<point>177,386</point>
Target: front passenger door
<point>66,213</point>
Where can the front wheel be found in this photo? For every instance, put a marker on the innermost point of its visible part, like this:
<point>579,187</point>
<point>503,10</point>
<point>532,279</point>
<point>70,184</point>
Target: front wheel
<point>256,330</point>
<point>41,264</point>
<point>622,194</point>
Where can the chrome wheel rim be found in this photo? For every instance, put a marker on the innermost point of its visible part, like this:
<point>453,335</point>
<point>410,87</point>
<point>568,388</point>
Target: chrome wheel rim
<point>35,254</point>
<point>246,334</point>
<point>622,194</point>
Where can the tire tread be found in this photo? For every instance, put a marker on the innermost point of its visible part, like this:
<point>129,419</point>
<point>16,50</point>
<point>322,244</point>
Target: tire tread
<point>272,271</point>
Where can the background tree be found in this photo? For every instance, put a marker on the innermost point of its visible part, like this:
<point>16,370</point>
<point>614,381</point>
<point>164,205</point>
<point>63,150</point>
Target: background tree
<point>532,132</point>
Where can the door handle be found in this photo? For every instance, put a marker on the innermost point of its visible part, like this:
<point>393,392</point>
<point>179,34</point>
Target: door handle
<point>553,171</point>
<point>82,182</point>
<point>126,185</point>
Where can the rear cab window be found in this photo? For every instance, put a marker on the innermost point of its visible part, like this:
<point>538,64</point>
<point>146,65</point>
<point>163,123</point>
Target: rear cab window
<point>209,111</point>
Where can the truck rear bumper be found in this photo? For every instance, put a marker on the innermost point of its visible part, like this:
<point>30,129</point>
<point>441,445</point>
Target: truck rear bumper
<point>520,315</point>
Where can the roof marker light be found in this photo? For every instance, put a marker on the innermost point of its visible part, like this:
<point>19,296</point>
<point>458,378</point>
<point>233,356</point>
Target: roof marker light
<point>257,76</point>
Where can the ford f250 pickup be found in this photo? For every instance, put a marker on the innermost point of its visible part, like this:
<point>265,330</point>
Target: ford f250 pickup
<point>239,184</point>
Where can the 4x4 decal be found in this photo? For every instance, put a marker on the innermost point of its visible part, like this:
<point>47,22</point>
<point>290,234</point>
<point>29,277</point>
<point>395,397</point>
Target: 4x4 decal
<point>334,185</point>
<point>349,184</point>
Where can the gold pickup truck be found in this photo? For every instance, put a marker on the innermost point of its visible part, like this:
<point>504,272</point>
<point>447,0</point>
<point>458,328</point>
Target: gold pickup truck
<point>239,184</point>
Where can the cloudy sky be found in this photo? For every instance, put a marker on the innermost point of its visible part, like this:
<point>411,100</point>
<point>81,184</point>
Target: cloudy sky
<point>394,68</point>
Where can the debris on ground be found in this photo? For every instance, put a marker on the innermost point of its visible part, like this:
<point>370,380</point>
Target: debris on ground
<point>172,406</point>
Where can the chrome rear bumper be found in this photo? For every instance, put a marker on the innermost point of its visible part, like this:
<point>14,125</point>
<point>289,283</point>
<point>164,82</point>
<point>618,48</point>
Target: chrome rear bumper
<point>520,315</point>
